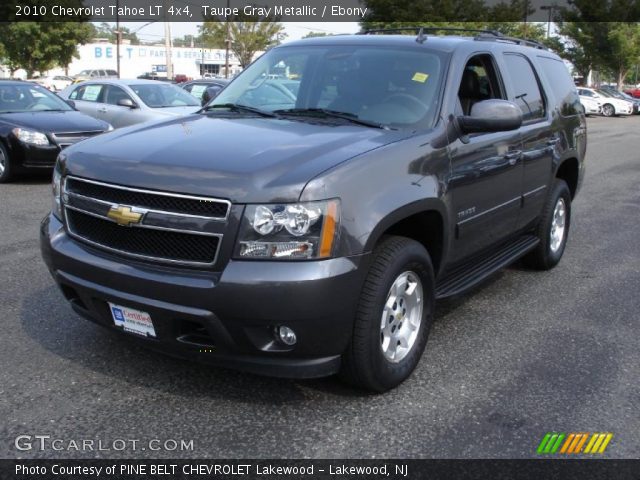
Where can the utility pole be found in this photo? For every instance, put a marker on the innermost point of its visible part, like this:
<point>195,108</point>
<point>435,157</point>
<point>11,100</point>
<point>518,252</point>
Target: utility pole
<point>167,49</point>
<point>118,37</point>
<point>550,8</point>
<point>227,43</point>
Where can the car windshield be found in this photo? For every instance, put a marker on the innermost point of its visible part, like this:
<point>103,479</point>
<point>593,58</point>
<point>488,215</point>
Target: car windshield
<point>29,98</point>
<point>605,94</point>
<point>163,95</point>
<point>393,87</point>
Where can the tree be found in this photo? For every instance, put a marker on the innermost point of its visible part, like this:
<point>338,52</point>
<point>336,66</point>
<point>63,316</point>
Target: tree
<point>248,35</point>
<point>316,34</point>
<point>105,30</point>
<point>40,46</point>
<point>186,41</point>
<point>611,47</point>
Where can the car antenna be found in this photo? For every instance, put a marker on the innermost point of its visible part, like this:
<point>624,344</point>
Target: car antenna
<point>421,38</point>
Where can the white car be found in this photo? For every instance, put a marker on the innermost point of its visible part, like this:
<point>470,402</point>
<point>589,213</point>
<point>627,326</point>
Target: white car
<point>54,83</point>
<point>591,106</point>
<point>610,105</point>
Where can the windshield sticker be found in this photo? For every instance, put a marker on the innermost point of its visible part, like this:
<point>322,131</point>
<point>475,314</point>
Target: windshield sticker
<point>420,77</point>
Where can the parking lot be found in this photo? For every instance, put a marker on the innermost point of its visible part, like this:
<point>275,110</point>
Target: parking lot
<point>525,354</point>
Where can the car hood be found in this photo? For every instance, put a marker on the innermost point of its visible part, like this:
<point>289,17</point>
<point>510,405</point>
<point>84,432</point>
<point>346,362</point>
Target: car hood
<point>56,122</point>
<point>241,159</point>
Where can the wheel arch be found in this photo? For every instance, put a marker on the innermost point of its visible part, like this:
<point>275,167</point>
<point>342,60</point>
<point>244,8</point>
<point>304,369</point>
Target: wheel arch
<point>569,171</point>
<point>422,221</point>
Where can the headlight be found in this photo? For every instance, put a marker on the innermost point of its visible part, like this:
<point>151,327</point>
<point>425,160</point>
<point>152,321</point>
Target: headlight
<point>30,136</point>
<point>56,187</point>
<point>289,231</point>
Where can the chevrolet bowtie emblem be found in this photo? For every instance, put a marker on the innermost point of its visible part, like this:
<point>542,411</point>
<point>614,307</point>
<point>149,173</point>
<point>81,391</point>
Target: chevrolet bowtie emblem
<point>124,215</point>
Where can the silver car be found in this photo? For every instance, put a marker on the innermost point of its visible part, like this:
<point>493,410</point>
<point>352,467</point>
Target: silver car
<point>127,102</point>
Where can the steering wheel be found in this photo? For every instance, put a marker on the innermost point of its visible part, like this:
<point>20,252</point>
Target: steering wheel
<point>409,101</point>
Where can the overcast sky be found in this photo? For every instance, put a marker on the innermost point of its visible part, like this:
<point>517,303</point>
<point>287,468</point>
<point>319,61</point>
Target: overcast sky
<point>294,30</point>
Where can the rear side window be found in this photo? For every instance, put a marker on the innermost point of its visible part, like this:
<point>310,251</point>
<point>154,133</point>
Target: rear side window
<point>88,93</point>
<point>558,78</point>
<point>525,85</point>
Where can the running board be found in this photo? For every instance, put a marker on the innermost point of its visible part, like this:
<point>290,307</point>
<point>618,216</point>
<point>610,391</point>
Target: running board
<point>471,273</point>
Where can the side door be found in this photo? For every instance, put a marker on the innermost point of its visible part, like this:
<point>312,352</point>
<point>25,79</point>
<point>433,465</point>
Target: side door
<point>117,115</point>
<point>486,168</point>
<point>86,97</point>
<point>539,138</point>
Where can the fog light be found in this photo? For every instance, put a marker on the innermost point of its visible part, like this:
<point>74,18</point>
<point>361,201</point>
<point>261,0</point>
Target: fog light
<point>287,336</point>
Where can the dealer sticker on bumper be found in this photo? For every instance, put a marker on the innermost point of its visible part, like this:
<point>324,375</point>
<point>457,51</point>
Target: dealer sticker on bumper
<point>133,321</point>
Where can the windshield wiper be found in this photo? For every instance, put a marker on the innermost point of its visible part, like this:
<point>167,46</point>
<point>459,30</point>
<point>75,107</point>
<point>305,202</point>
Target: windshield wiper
<point>240,108</point>
<point>350,117</point>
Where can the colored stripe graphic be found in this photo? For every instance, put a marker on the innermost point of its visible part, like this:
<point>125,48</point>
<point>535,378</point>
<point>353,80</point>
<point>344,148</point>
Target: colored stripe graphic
<point>573,443</point>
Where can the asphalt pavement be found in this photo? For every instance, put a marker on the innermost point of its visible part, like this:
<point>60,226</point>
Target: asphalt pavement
<point>524,354</point>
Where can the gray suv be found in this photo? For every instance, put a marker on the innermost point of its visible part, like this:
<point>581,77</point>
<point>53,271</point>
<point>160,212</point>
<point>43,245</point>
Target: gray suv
<point>306,230</point>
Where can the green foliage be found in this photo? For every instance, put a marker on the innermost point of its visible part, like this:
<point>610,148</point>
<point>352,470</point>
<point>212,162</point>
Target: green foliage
<point>105,30</point>
<point>247,35</point>
<point>40,46</point>
<point>316,34</point>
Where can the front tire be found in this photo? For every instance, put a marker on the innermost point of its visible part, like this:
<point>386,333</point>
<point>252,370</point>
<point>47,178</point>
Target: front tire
<point>553,229</point>
<point>5,165</point>
<point>608,110</point>
<point>394,315</point>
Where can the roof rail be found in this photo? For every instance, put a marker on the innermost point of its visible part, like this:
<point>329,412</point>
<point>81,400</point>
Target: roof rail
<point>424,29</point>
<point>518,41</point>
<point>482,34</point>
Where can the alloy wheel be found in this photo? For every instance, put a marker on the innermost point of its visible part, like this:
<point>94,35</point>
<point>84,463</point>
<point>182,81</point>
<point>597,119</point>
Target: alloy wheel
<point>558,223</point>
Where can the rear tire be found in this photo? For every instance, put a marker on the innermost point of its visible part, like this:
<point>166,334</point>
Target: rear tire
<point>5,165</point>
<point>553,229</point>
<point>394,316</point>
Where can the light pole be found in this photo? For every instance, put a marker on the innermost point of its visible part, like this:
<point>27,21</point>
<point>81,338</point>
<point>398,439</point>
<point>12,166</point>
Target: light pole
<point>550,8</point>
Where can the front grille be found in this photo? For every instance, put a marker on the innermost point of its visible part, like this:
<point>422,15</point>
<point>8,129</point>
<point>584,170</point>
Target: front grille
<point>173,203</point>
<point>143,242</point>
<point>66,139</point>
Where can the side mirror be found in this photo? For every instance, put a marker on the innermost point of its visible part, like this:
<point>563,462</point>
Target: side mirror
<point>127,102</point>
<point>71,103</point>
<point>491,116</point>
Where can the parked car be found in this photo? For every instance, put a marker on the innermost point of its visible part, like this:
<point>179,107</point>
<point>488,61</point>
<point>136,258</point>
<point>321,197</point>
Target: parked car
<point>126,102</point>
<point>55,83</point>
<point>180,78</point>
<point>591,106</point>
<point>94,74</point>
<point>614,92</point>
<point>308,236</point>
<point>35,125</point>
<point>205,89</point>
<point>611,106</point>
<point>634,92</point>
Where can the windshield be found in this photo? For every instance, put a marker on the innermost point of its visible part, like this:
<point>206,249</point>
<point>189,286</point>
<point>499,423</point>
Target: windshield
<point>162,95</point>
<point>29,98</point>
<point>387,86</point>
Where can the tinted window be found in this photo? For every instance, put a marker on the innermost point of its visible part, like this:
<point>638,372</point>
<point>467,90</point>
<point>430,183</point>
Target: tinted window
<point>114,94</point>
<point>158,95</point>
<point>29,98</point>
<point>525,85</point>
<point>558,78</point>
<point>390,86</point>
<point>479,82</point>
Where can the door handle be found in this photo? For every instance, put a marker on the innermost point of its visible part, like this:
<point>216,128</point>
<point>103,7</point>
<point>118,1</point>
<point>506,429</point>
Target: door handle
<point>512,157</point>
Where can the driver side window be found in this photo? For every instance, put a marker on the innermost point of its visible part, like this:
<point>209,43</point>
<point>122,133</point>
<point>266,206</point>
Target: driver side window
<point>479,82</point>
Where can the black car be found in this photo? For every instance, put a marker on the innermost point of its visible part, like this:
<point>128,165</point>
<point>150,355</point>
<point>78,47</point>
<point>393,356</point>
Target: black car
<point>35,125</point>
<point>311,233</point>
<point>205,89</point>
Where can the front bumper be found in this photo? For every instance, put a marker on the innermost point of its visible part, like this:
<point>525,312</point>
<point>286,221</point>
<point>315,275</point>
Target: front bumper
<point>25,156</point>
<point>223,318</point>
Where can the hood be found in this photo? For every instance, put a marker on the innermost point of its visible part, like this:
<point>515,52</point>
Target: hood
<point>56,122</point>
<point>241,159</point>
